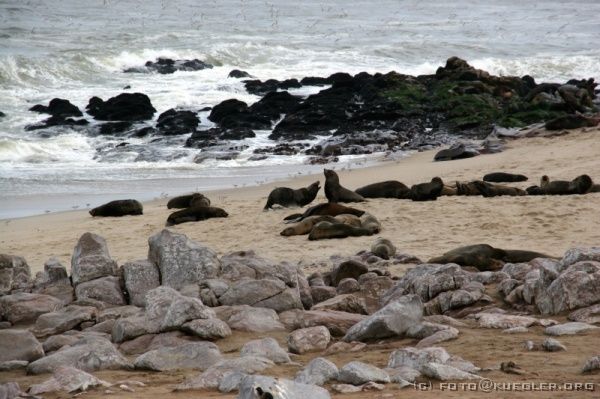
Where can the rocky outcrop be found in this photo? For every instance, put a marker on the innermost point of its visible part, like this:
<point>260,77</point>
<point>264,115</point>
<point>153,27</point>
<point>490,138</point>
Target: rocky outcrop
<point>165,66</point>
<point>132,107</point>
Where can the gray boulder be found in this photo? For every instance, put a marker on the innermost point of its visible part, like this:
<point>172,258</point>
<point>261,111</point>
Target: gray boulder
<point>320,293</point>
<point>14,273</point>
<point>348,286</point>
<point>445,372</point>
<point>104,289</point>
<point>575,255</point>
<point>569,328</point>
<point>91,259</point>
<point>140,277</point>
<point>317,372</point>
<point>54,281</point>
<point>590,315</point>
<point>348,269</point>
<point>309,339</point>
<point>267,293</point>
<point>26,308</point>
<point>267,348</point>
<point>67,379</point>
<point>90,353</point>
<point>195,355</point>
<point>358,373</point>
<point>12,365</point>
<point>19,345</point>
<point>118,312</point>
<point>180,260</point>
<point>63,320</point>
<point>392,320</point>
<point>279,388</point>
<point>553,345</point>
<point>344,303</point>
<point>11,390</point>
<point>250,319</point>
<point>182,310</point>
<point>231,381</point>
<point>209,329</point>
<point>338,323</point>
<point>591,364</point>
<point>416,358</point>
<point>246,264</point>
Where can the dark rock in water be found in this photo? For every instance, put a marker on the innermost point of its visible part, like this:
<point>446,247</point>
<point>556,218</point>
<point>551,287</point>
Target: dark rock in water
<point>281,149</point>
<point>167,66</point>
<point>2,114</point>
<point>113,128</point>
<point>215,136</point>
<point>236,73</point>
<point>571,122</point>
<point>457,151</point>
<point>273,104</point>
<point>145,131</point>
<point>174,122</point>
<point>219,156</point>
<point>124,107</point>
<point>260,88</point>
<point>57,121</point>
<point>233,113</point>
<point>503,177</point>
<point>127,87</point>
<point>58,107</point>
<point>118,208</point>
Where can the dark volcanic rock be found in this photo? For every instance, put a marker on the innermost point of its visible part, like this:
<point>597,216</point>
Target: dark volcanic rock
<point>58,107</point>
<point>57,121</point>
<point>124,107</point>
<point>260,88</point>
<point>167,66</point>
<point>174,122</point>
<point>233,113</point>
<point>113,128</point>
<point>273,104</point>
<point>236,73</point>
<point>216,136</point>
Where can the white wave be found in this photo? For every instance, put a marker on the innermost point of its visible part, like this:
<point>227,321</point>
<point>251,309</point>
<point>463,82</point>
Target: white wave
<point>69,148</point>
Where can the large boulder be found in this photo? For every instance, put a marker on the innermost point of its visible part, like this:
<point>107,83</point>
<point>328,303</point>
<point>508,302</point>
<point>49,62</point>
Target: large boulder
<point>338,323</point>
<point>67,379</point>
<point>209,329</point>
<point>196,355</point>
<point>140,277</point>
<point>417,358</point>
<point>54,281</point>
<point>344,303</point>
<point>91,259</point>
<point>105,289</point>
<point>19,345</point>
<point>14,273</point>
<point>26,308</point>
<point>358,373</point>
<point>317,372</point>
<point>309,339</point>
<point>180,260</point>
<point>124,107</point>
<point>267,348</point>
<point>182,310</point>
<point>266,293</point>
<point>348,269</point>
<point>279,388</point>
<point>90,353</point>
<point>392,320</point>
<point>63,320</point>
<point>250,319</point>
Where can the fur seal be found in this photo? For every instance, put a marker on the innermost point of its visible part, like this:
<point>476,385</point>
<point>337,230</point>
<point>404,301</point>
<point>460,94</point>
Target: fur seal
<point>427,191</point>
<point>286,197</point>
<point>485,257</point>
<point>503,177</point>
<point>335,192</point>
<point>579,185</point>
<point>306,225</point>
<point>383,248</point>
<point>449,190</point>
<point>347,218</point>
<point>370,223</point>
<point>595,188</point>
<point>494,190</point>
<point>384,189</point>
<point>195,214</point>
<point>329,208</point>
<point>119,208</point>
<point>466,189</point>
<point>324,230</point>
<point>185,201</point>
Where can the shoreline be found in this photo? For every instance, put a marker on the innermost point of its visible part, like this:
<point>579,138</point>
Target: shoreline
<point>544,224</point>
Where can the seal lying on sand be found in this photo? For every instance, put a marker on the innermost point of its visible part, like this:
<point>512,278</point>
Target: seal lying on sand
<point>468,188</point>
<point>306,225</point>
<point>427,191</point>
<point>494,190</point>
<point>285,196</point>
<point>323,230</point>
<point>502,177</point>
<point>119,208</point>
<point>335,192</point>
<point>579,185</point>
<point>331,209</point>
<point>383,248</point>
<point>185,201</point>
<point>485,257</point>
<point>449,190</point>
<point>195,214</point>
<point>384,189</point>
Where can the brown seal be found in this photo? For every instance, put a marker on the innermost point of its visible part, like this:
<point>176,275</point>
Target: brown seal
<point>503,177</point>
<point>494,190</point>
<point>286,197</point>
<point>449,190</point>
<point>185,201</point>
<point>325,230</point>
<point>467,188</point>
<point>195,214</point>
<point>335,192</point>
<point>370,223</point>
<point>384,189</point>
<point>485,257</point>
<point>579,185</point>
<point>383,248</point>
<point>427,191</point>
<point>306,225</point>
<point>119,208</point>
<point>329,208</point>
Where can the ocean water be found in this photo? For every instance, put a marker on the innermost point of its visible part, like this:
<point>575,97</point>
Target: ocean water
<point>78,49</point>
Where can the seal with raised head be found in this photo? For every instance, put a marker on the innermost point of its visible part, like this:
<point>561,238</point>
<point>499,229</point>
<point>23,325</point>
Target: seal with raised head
<point>334,190</point>
<point>185,201</point>
<point>329,208</point>
<point>503,177</point>
<point>494,190</point>
<point>484,257</point>
<point>324,230</point>
<point>287,197</point>
<point>119,208</point>
<point>195,214</point>
<point>427,191</point>
<point>384,189</point>
<point>383,248</point>
<point>579,185</point>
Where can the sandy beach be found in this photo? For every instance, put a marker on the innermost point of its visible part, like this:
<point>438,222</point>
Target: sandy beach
<point>548,224</point>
